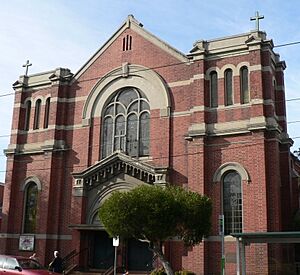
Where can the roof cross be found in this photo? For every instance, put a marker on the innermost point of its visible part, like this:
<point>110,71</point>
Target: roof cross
<point>257,17</point>
<point>27,64</point>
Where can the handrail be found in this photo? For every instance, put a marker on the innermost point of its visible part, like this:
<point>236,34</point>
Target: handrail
<point>68,256</point>
<point>109,271</point>
<point>68,260</point>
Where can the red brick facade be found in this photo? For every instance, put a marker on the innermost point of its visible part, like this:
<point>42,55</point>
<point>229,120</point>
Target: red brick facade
<point>191,144</point>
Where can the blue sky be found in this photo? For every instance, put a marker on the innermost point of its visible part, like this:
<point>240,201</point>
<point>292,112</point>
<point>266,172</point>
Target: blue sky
<point>55,33</point>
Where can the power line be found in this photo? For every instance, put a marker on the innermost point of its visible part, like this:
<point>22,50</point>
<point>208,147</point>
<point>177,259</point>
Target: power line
<point>158,67</point>
<point>287,44</point>
<point>151,118</point>
<point>216,147</point>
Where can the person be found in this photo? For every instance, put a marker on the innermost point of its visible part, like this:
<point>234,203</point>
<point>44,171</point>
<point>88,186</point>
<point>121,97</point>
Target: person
<point>56,264</point>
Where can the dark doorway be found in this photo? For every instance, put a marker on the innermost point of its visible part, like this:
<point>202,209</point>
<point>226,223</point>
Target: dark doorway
<point>139,257</point>
<point>103,251</point>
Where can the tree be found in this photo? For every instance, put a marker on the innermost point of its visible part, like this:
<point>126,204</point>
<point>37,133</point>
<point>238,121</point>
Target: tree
<point>154,214</point>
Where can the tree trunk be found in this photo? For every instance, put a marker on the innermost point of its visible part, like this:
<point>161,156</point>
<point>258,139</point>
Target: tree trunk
<point>156,248</point>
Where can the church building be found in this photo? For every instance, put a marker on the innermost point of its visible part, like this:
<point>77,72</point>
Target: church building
<point>141,112</point>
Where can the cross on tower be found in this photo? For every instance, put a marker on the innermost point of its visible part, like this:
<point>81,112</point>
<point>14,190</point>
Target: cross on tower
<point>257,17</point>
<point>27,64</point>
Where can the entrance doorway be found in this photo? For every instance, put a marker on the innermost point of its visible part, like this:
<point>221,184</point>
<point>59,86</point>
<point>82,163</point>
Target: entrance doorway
<point>139,257</point>
<point>103,256</point>
<point>136,255</point>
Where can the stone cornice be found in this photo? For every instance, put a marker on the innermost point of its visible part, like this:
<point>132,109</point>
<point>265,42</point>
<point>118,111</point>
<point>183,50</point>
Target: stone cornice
<point>115,164</point>
<point>35,148</point>
<point>234,127</point>
<point>59,76</point>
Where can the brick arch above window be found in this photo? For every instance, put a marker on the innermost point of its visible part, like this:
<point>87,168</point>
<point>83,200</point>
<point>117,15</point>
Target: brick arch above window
<point>231,166</point>
<point>28,180</point>
<point>142,78</point>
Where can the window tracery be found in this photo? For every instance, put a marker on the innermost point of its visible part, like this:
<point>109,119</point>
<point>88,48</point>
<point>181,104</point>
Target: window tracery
<point>126,124</point>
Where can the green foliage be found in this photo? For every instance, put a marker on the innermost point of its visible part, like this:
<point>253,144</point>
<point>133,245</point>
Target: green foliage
<point>159,271</point>
<point>155,214</point>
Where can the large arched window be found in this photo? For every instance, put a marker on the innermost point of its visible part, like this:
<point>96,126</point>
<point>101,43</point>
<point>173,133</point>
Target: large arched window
<point>30,213</point>
<point>37,113</point>
<point>47,110</point>
<point>213,89</point>
<point>232,202</point>
<point>228,88</point>
<point>126,122</point>
<point>27,115</point>
<point>244,79</point>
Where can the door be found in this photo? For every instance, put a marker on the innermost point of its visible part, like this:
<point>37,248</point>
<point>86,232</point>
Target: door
<point>139,257</point>
<point>103,256</point>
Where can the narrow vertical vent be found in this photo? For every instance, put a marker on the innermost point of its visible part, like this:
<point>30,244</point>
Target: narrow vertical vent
<point>127,43</point>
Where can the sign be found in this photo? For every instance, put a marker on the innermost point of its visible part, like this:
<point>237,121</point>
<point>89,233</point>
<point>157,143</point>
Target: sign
<point>221,225</point>
<point>116,241</point>
<point>26,243</point>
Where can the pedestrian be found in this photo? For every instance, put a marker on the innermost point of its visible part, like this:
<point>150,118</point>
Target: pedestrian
<point>56,264</point>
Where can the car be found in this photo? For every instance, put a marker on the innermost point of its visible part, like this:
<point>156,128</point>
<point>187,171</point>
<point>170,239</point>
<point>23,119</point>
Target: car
<point>19,265</point>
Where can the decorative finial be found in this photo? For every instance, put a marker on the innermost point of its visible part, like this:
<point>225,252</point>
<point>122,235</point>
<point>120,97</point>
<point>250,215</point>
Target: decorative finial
<point>26,65</point>
<point>257,17</point>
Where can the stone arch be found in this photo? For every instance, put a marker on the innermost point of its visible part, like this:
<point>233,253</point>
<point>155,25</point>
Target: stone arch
<point>212,69</point>
<point>30,179</point>
<point>143,78</point>
<point>36,99</point>
<point>226,67</point>
<point>241,65</point>
<point>231,166</point>
<point>105,194</point>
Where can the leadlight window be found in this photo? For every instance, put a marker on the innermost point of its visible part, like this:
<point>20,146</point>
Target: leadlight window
<point>27,115</point>
<point>126,124</point>
<point>47,111</point>
<point>213,82</point>
<point>36,123</point>
<point>30,215</point>
<point>232,202</point>
<point>228,88</point>
<point>244,78</point>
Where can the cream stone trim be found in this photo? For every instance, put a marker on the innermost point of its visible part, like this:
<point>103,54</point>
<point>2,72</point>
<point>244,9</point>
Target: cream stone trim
<point>145,79</point>
<point>280,88</point>
<point>185,82</point>
<point>18,105</point>
<point>218,239</point>
<point>226,67</point>
<point>233,127</point>
<point>38,147</point>
<point>34,179</point>
<point>267,69</point>
<point>69,100</point>
<point>35,99</point>
<point>37,236</point>
<point>231,166</point>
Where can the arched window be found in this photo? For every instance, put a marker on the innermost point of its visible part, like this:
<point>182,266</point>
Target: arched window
<point>213,87</point>
<point>47,110</point>
<point>244,79</point>
<point>232,202</point>
<point>30,213</point>
<point>27,115</point>
<point>228,88</point>
<point>126,124</point>
<point>37,113</point>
